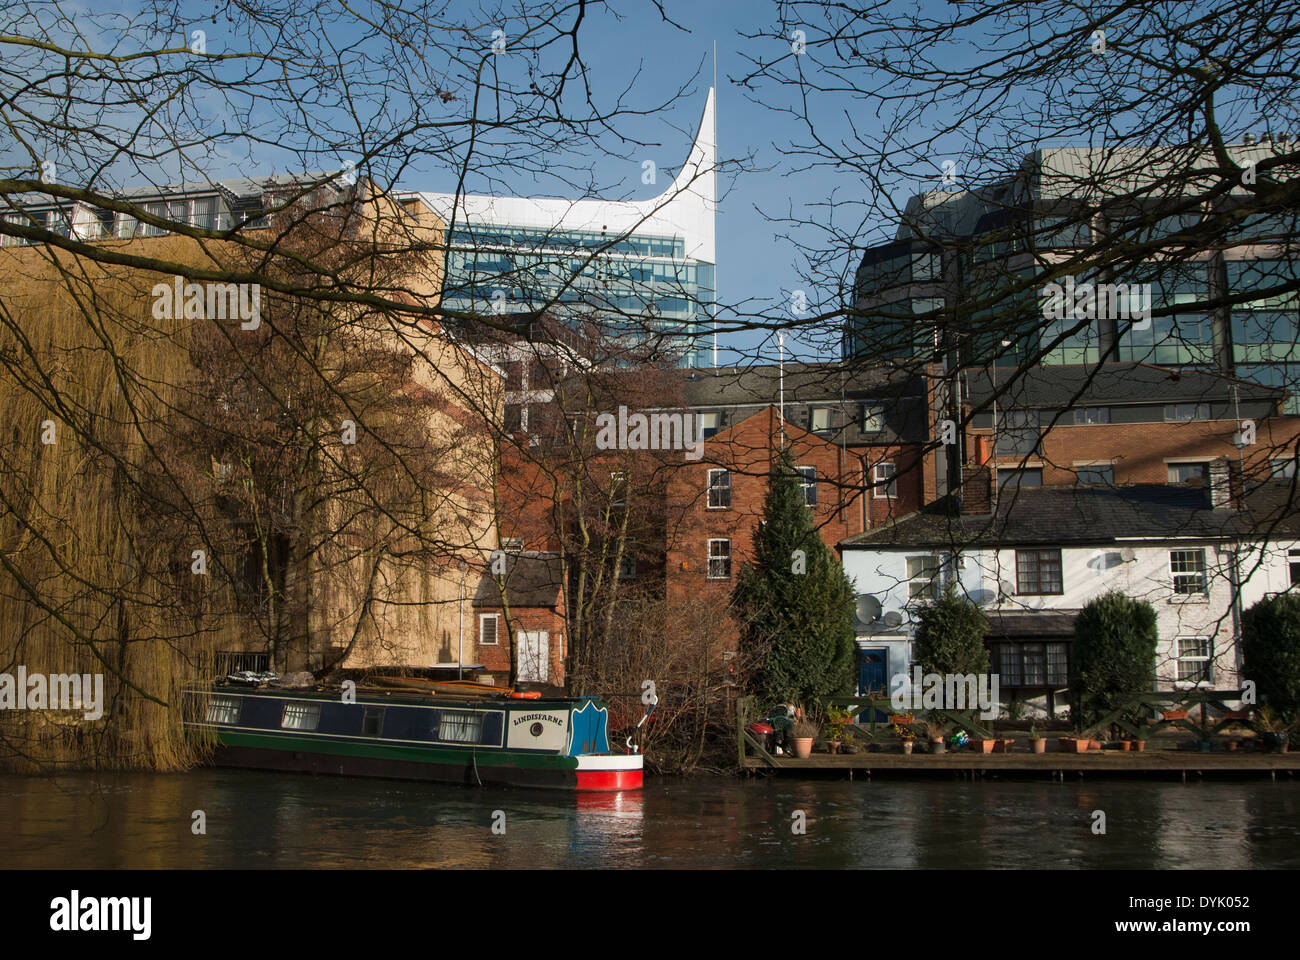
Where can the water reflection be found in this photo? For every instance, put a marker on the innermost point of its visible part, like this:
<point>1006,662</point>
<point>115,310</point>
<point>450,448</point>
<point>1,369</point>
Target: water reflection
<point>267,820</point>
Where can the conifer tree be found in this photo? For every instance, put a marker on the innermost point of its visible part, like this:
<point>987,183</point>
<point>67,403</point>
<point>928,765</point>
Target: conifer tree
<point>950,636</point>
<point>794,603</point>
<point>1114,654</point>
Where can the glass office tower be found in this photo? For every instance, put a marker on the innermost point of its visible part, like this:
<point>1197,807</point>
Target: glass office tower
<point>642,269</point>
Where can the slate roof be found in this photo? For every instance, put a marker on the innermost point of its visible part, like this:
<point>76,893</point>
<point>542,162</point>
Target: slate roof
<point>804,382</point>
<point>1032,623</point>
<point>1110,384</point>
<point>1065,515</point>
<point>533,579</point>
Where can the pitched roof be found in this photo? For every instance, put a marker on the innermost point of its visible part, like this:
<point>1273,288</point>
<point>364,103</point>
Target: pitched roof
<point>532,579</point>
<point>1059,515</point>
<point>1110,383</point>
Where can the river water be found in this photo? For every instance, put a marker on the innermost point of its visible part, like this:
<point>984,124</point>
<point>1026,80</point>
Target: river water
<point>261,819</point>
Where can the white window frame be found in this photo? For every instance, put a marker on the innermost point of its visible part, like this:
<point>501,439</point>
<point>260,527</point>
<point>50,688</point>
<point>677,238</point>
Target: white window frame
<point>808,482</point>
<point>710,505</point>
<point>921,587</point>
<point>222,710</point>
<point>1203,573</point>
<point>711,557</point>
<point>879,489</point>
<point>710,423</point>
<point>813,414</point>
<point>496,632</point>
<point>1207,660</point>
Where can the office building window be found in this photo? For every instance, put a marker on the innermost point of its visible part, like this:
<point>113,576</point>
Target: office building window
<point>719,489</point>
<point>1018,433</point>
<point>1282,468</point>
<point>1038,572</point>
<point>1188,570</point>
<point>719,559</point>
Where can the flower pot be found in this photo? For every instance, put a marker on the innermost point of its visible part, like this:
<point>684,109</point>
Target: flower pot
<point>1073,745</point>
<point>938,746</point>
<point>1004,745</point>
<point>907,747</point>
<point>802,747</point>
<point>1126,745</point>
<point>983,746</point>
<point>1038,744</point>
<point>834,746</point>
<point>1139,745</point>
<point>1175,714</point>
<point>901,718</point>
<point>1094,744</point>
<point>1230,745</point>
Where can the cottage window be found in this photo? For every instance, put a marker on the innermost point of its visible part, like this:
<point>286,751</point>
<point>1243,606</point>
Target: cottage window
<point>489,625</point>
<point>883,480</point>
<point>1195,659</point>
<point>1038,572</point>
<point>1188,569</point>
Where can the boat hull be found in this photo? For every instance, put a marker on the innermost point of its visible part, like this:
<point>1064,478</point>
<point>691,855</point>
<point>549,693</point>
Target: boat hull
<point>542,744</point>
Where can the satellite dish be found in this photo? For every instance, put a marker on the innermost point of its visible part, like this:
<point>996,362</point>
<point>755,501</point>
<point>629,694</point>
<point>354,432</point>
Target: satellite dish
<point>867,609</point>
<point>893,618</point>
<point>1104,560</point>
<point>1128,554</point>
<point>982,598</point>
<point>1006,589</point>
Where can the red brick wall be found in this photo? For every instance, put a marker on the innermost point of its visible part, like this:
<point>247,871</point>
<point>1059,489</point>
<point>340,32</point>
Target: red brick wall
<point>748,450</point>
<point>497,658</point>
<point>1140,451</point>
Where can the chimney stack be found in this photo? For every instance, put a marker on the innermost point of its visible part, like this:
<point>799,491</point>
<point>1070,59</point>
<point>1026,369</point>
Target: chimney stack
<point>976,490</point>
<point>1223,495</point>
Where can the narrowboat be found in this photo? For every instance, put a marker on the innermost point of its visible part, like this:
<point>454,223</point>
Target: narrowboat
<point>452,733</point>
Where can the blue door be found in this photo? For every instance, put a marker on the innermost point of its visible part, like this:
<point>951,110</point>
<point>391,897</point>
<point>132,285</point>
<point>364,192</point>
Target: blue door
<point>873,676</point>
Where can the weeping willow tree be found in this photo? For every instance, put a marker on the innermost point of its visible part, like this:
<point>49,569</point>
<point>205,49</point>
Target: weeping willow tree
<point>174,486</point>
<point>87,583</point>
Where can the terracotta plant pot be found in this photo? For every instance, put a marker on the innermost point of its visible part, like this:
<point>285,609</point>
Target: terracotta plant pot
<point>802,747</point>
<point>1073,745</point>
<point>907,747</point>
<point>901,718</point>
<point>983,746</point>
<point>1139,745</point>
<point>1005,745</point>
<point>938,746</point>
<point>1094,744</point>
<point>1038,744</point>
<point>1126,745</point>
<point>1175,714</point>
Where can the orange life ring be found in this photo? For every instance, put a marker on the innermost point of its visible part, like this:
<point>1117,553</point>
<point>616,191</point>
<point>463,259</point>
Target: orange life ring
<point>525,695</point>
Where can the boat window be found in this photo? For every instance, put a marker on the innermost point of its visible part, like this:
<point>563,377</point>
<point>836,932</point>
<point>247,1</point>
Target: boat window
<point>301,716</point>
<point>372,721</point>
<point>222,710</point>
<point>460,727</point>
